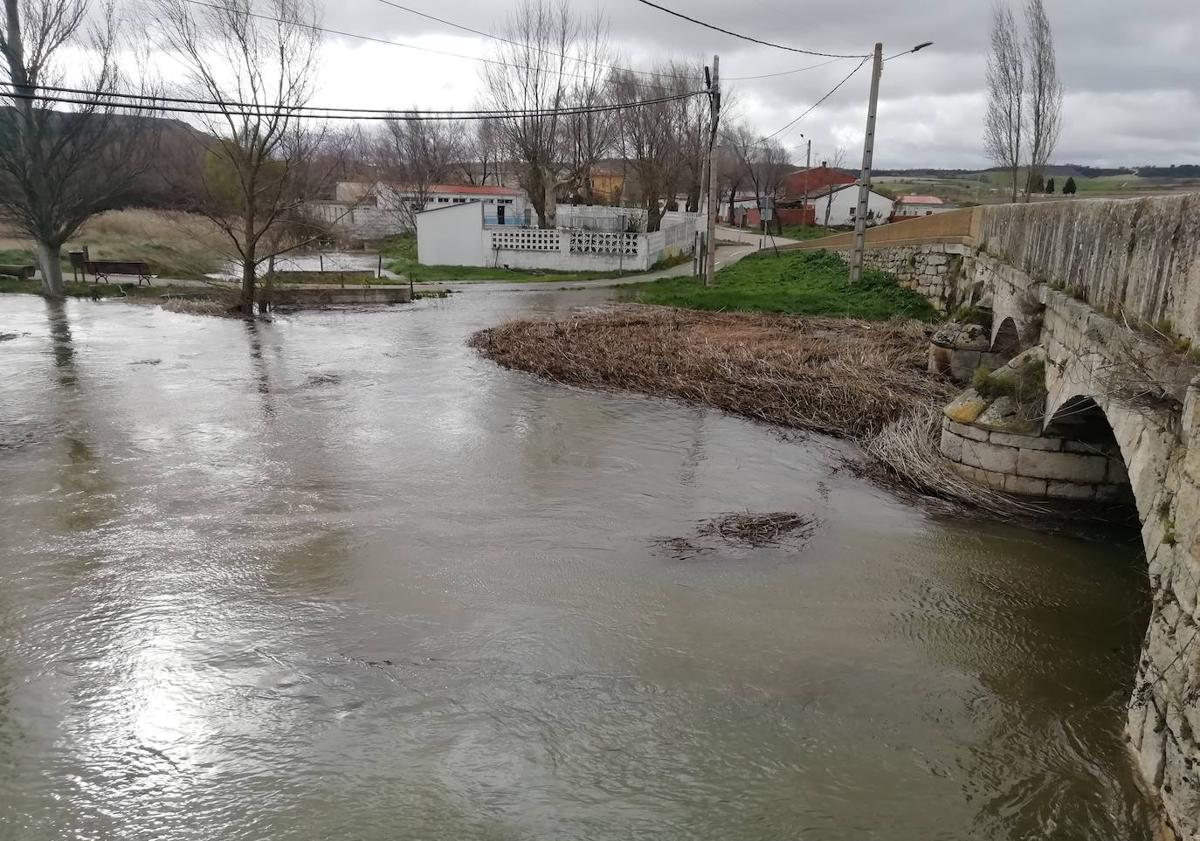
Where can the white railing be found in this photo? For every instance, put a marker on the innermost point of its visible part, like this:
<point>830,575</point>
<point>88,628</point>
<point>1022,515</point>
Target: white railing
<point>603,242</point>
<point>526,239</point>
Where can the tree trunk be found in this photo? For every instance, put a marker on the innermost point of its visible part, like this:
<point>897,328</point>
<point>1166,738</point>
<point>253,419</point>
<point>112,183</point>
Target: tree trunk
<point>549,217</point>
<point>654,214</point>
<point>49,261</point>
<point>248,276</point>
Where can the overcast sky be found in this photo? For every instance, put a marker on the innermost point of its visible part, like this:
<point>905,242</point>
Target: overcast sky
<point>1131,70</point>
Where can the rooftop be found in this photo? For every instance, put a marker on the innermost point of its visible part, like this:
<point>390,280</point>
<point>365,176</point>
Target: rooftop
<point>921,200</point>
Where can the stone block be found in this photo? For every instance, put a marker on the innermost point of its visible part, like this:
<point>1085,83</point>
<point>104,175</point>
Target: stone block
<point>1027,442</point>
<point>965,408</point>
<point>1067,467</point>
<point>1069,490</point>
<point>983,477</point>
<point>1025,486</point>
<point>951,445</point>
<point>964,430</point>
<point>987,456</point>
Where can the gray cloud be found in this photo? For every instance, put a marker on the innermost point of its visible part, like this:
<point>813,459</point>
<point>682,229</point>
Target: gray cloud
<point>1130,70</point>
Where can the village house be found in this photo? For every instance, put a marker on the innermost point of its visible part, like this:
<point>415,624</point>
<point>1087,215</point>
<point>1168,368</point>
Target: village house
<point>913,206</point>
<point>371,211</point>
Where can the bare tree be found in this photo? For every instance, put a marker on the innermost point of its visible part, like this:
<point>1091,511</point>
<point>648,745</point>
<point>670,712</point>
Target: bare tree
<point>652,137</point>
<point>483,153</point>
<point>766,164</point>
<point>835,161</point>
<point>261,68</point>
<point>417,155</point>
<point>60,166</point>
<point>1006,94</point>
<point>535,71</point>
<point>1044,93</point>
<point>591,134</point>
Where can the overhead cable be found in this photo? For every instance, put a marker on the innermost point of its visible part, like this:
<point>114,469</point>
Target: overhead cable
<point>750,38</point>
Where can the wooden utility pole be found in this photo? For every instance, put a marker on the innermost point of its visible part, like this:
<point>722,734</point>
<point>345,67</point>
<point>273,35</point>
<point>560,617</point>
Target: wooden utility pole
<point>807,167</point>
<point>864,182</point>
<point>714,119</point>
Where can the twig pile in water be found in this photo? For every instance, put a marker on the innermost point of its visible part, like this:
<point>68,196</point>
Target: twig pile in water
<point>744,529</point>
<point>836,376</point>
<point>758,529</point>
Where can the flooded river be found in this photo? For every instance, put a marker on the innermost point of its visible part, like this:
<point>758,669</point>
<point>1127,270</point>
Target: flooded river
<point>338,577</point>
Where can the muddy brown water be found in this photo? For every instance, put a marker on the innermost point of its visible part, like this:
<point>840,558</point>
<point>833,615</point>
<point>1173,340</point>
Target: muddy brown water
<point>338,577</point>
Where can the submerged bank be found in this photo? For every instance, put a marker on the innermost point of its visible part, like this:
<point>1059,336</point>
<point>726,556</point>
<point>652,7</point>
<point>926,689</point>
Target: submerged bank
<point>865,381</point>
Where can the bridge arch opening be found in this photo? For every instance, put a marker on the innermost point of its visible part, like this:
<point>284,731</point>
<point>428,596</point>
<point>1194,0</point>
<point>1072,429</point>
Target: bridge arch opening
<point>1087,432</point>
<point>1008,339</point>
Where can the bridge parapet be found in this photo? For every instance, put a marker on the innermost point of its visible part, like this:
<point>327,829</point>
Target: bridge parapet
<point>1138,257</point>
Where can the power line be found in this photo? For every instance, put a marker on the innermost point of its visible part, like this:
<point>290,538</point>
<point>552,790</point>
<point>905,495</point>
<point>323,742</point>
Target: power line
<point>816,104</point>
<point>745,37</point>
<point>782,73</point>
<point>224,108</point>
<point>520,44</point>
<point>385,41</point>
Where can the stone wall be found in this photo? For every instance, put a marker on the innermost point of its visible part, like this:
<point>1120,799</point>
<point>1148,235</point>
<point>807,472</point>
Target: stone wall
<point>934,271</point>
<point>1092,355</point>
<point>1139,256</point>
<point>1045,466</point>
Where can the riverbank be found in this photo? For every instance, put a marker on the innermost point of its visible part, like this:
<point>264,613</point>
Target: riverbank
<point>865,381</point>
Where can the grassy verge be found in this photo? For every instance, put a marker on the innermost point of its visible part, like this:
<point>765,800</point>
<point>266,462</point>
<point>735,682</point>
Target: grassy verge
<point>179,245</point>
<point>796,283</point>
<point>806,232</point>
<point>94,290</point>
<point>400,254</point>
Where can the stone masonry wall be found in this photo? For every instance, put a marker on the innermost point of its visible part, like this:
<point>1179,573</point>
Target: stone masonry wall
<point>1033,465</point>
<point>934,271</point>
<point>1088,355</point>
<point>1141,256</point>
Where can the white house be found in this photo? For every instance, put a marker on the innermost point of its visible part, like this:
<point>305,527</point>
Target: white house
<point>842,205</point>
<point>377,210</point>
<point>462,234</point>
<point>911,207</point>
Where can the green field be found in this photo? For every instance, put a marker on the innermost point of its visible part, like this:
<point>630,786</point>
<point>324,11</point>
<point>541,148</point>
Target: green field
<point>798,282</point>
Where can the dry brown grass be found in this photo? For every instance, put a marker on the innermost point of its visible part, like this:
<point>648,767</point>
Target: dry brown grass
<point>836,376</point>
<point>221,307</point>
<point>865,381</point>
<point>175,244</point>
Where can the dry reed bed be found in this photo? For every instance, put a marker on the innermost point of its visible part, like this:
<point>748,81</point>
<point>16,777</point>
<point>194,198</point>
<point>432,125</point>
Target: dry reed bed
<point>861,380</point>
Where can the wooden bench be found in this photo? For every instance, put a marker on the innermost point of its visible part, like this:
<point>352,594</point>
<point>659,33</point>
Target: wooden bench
<point>19,272</point>
<point>102,269</point>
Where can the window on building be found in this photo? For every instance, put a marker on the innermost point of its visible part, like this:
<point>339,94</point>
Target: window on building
<point>443,201</point>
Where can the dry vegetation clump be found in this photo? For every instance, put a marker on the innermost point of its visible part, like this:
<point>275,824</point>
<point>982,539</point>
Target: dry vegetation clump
<point>862,380</point>
<point>905,454</point>
<point>175,244</point>
<point>841,377</point>
<point>744,529</point>
<point>222,307</point>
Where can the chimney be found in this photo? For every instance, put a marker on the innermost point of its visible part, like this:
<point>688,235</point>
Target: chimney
<point>824,164</point>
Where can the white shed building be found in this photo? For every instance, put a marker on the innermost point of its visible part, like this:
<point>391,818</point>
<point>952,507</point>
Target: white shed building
<point>842,204</point>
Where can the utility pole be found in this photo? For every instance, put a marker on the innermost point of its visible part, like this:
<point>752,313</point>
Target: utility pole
<point>864,182</point>
<point>714,119</point>
<point>807,167</point>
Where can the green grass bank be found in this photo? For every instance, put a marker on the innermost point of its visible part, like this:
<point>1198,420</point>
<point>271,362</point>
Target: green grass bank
<point>794,283</point>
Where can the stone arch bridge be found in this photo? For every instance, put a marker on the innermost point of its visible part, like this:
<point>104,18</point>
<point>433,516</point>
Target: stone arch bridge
<point>1108,292</point>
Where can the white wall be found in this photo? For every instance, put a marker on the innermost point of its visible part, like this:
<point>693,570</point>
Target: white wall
<point>845,200</point>
<point>454,235</point>
<point>451,235</point>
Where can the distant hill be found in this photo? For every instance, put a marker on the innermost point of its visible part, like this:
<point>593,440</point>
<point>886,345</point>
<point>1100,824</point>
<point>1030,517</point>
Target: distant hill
<point>1055,170</point>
